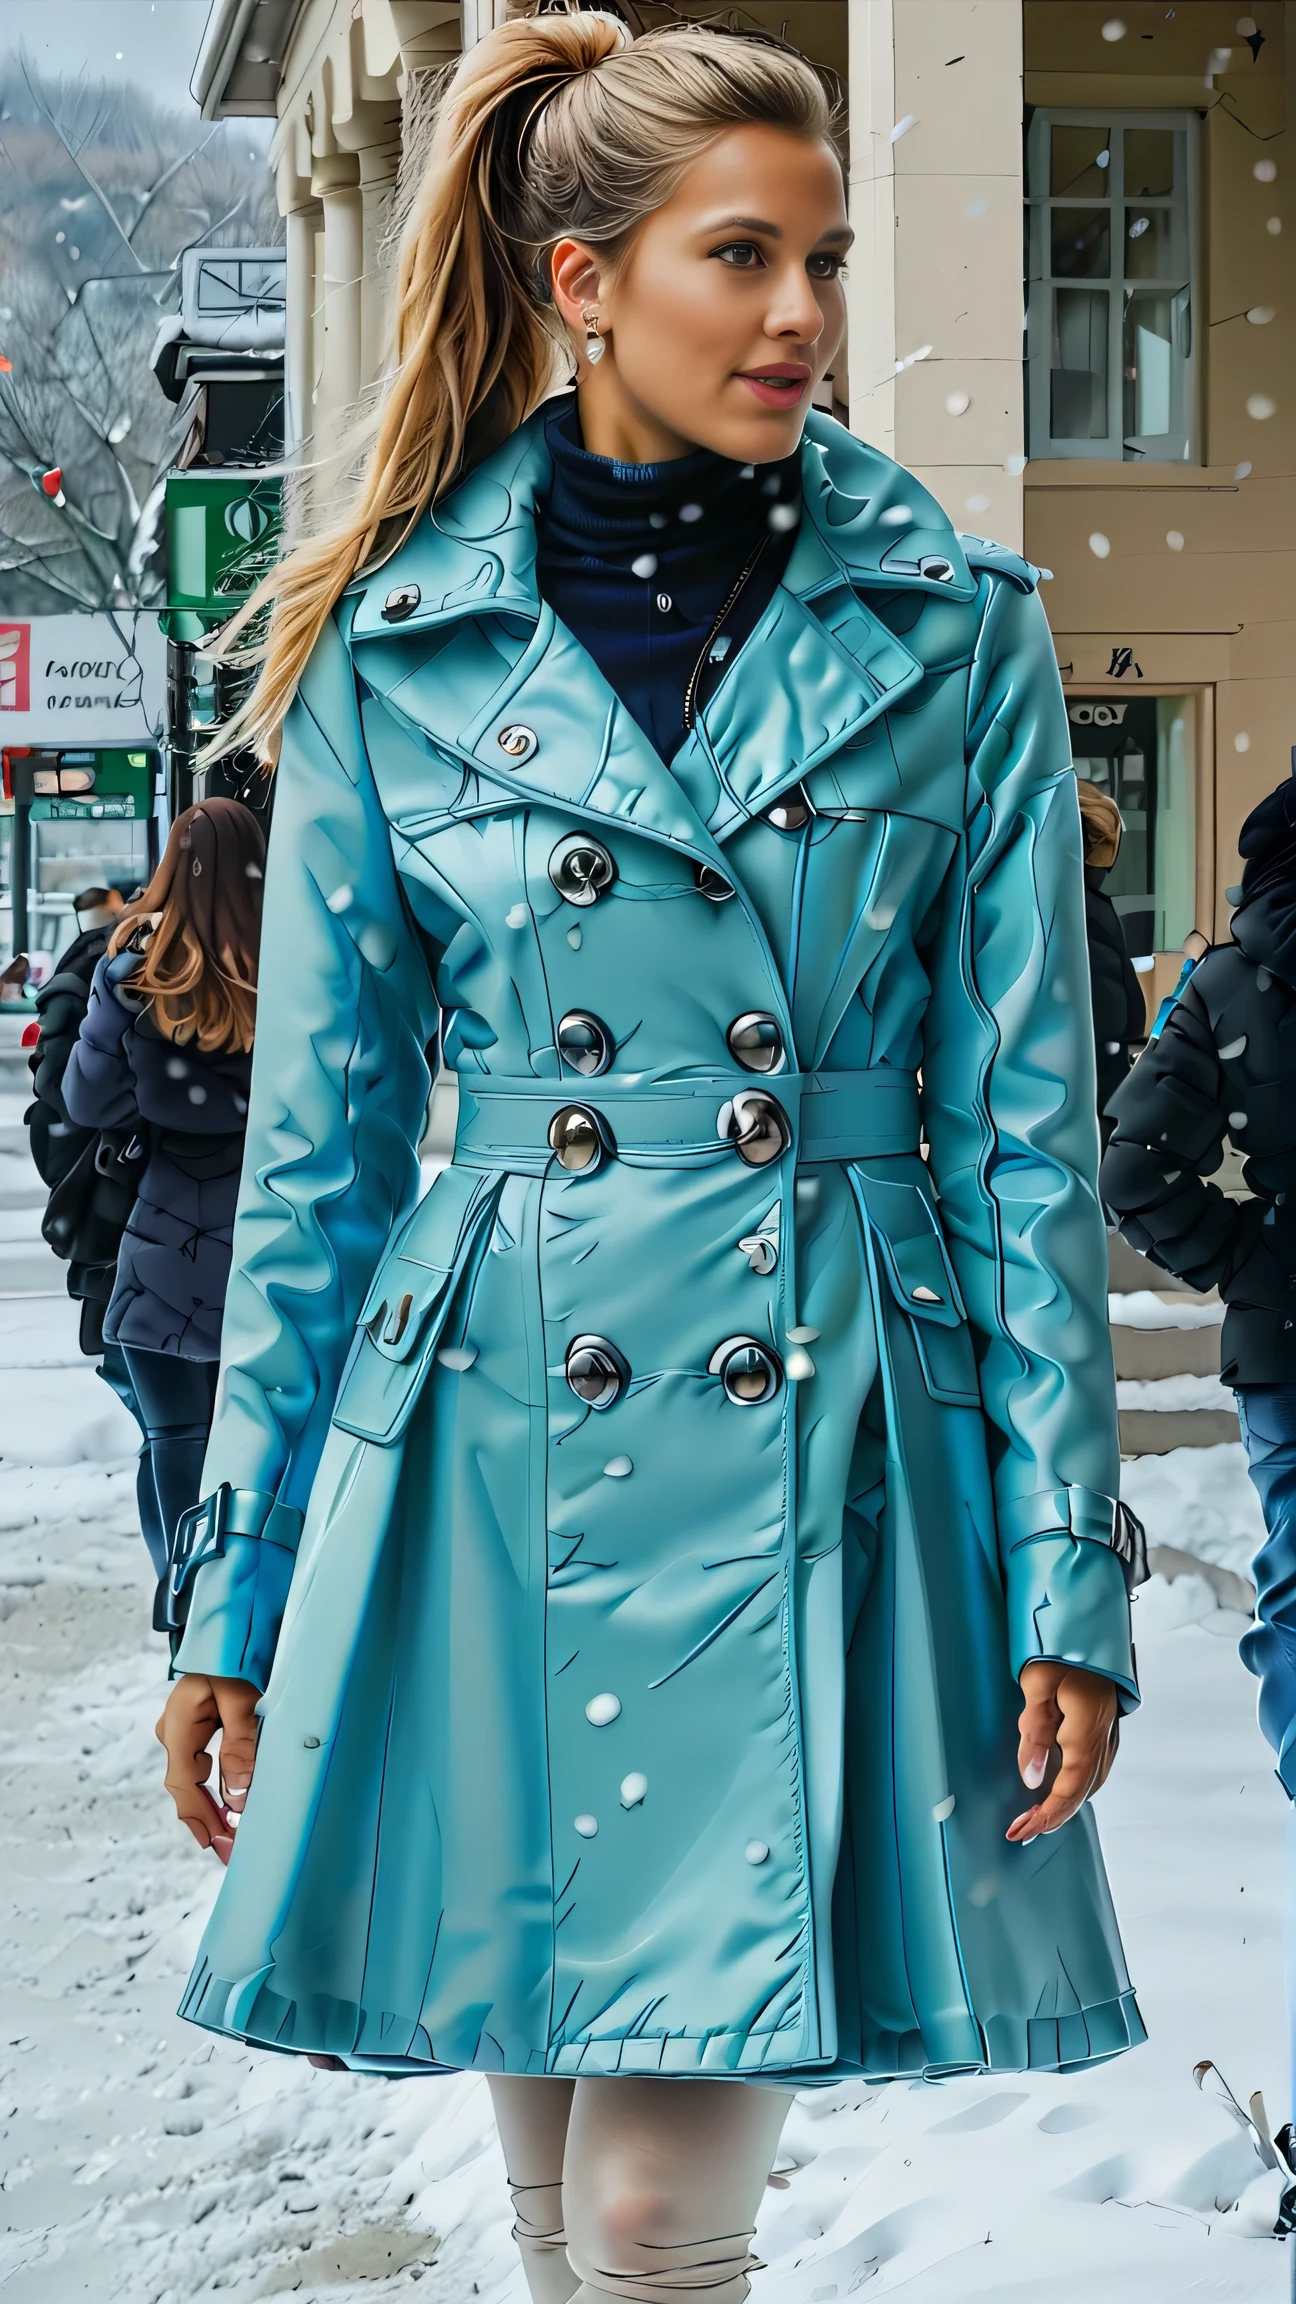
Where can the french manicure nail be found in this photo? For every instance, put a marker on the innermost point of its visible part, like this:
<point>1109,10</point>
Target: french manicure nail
<point>1035,1770</point>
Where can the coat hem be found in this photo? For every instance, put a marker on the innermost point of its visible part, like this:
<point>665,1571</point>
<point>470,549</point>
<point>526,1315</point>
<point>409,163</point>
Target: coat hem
<point>396,2047</point>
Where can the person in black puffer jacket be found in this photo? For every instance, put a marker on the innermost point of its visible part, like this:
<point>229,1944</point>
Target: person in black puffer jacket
<point>1119,1009</point>
<point>1225,1064</point>
<point>166,1049</point>
<point>56,1143</point>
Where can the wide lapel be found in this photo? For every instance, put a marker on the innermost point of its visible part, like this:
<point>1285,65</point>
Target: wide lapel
<point>820,665</point>
<point>536,719</point>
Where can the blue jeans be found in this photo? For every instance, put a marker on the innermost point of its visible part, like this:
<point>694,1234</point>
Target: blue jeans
<point>114,1372</point>
<point>174,1401</point>
<point>1267,1414</point>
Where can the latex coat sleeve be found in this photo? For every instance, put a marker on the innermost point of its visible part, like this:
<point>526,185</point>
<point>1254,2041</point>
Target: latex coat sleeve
<point>339,1092</point>
<point>1010,1113</point>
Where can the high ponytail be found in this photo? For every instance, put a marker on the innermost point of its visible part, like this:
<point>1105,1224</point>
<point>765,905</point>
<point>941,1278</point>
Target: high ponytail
<point>551,125</point>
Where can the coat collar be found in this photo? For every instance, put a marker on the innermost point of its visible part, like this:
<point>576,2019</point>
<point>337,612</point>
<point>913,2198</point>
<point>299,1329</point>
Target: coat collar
<point>817,669</point>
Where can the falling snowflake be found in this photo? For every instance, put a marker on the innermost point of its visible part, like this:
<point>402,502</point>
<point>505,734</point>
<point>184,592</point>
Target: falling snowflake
<point>1174,538</point>
<point>1099,544</point>
<point>1261,406</point>
<point>1241,742</point>
<point>957,403</point>
<point>1113,29</point>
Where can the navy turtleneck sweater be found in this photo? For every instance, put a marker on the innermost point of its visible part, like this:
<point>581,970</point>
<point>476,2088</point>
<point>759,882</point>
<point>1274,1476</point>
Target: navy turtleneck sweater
<point>639,559</point>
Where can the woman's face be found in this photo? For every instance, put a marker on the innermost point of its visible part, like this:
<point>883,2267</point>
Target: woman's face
<point>726,310</point>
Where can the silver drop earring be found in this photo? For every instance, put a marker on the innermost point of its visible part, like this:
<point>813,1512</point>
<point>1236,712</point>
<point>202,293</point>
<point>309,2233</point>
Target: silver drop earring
<point>594,344</point>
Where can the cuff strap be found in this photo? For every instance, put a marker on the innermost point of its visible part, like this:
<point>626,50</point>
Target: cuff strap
<point>201,1534</point>
<point>1058,1512</point>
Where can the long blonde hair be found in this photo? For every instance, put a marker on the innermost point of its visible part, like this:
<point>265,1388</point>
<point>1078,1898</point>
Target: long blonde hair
<point>550,125</point>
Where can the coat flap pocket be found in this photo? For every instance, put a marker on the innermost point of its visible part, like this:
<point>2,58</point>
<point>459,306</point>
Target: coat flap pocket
<point>414,1275</point>
<point>913,1253</point>
<point>409,1305</point>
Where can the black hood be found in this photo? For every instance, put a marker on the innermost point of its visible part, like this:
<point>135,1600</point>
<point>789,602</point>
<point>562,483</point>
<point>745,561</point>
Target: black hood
<point>1265,921</point>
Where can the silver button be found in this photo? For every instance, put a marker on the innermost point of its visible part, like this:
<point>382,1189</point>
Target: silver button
<point>596,1371</point>
<point>925,1296</point>
<point>755,1041</point>
<point>937,567</point>
<point>790,811</point>
<point>517,741</point>
<point>574,1139</point>
<point>400,603</point>
<point>749,1371</point>
<point>712,884</point>
<point>757,1128</point>
<point>581,869</point>
<point>585,1043</point>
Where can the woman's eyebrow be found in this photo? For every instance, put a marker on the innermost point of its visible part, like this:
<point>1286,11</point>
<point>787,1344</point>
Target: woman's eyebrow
<point>837,232</point>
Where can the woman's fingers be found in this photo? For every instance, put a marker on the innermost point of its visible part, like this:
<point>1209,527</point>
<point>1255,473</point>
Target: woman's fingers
<point>1081,1708</point>
<point>237,1700</point>
<point>196,1709</point>
<point>189,1721</point>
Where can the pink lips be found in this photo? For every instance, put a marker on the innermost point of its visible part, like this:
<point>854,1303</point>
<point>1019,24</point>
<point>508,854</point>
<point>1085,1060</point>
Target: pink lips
<point>780,385</point>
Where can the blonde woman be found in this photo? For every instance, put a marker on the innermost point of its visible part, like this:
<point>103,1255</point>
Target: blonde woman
<point>652,1556</point>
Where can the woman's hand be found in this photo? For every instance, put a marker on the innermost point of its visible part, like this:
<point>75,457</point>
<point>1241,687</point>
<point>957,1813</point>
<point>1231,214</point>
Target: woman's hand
<point>1071,1714</point>
<point>195,1710</point>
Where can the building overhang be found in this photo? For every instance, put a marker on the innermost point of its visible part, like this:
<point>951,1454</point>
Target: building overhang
<point>240,63</point>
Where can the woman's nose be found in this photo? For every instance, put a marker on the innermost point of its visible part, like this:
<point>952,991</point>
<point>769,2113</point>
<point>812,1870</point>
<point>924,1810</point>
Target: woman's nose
<point>794,310</point>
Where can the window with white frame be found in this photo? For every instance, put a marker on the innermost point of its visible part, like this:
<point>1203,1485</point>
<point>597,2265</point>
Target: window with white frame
<point>1111,252</point>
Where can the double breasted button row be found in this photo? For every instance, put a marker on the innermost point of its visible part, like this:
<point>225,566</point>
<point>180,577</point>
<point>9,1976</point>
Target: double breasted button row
<point>750,1372</point>
<point>584,1042</point>
<point>754,1123</point>
<point>581,868</point>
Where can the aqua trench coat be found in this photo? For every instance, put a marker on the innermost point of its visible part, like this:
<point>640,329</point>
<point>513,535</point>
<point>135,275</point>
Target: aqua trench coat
<point>640,1690</point>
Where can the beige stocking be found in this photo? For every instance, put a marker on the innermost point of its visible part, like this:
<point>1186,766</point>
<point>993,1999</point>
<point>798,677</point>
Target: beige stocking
<point>655,2193</point>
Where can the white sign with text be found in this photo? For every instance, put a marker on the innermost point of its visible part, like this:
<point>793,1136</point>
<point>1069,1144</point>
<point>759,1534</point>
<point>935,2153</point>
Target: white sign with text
<point>97,678</point>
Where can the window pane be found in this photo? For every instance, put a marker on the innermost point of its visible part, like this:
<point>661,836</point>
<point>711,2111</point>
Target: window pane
<point>1149,162</point>
<point>1149,243</point>
<point>1078,161</point>
<point>1081,243</point>
<point>1078,382</point>
<point>1151,372</point>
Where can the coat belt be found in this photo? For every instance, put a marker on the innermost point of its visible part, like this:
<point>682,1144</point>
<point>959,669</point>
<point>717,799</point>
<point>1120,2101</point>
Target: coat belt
<point>869,1115</point>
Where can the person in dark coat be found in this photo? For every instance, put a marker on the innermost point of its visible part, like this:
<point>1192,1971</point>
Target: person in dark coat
<point>1224,1064</point>
<point>1119,1011</point>
<point>90,1182</point>
<point>56,1143</point>
<point>165,1049</point>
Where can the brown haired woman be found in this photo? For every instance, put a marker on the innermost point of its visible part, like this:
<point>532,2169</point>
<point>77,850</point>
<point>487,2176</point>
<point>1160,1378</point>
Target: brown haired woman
<point>165,1050</point>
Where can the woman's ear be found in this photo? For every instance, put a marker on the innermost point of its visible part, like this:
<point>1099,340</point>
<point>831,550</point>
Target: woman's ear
<point>577,282</point>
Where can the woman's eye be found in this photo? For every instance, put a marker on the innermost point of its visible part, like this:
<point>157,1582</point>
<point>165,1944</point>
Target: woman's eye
<point>825,267</point>
<point>742,253</point>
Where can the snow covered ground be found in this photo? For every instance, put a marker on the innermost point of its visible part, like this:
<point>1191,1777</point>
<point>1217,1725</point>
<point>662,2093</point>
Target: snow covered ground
<point>143,2161</point>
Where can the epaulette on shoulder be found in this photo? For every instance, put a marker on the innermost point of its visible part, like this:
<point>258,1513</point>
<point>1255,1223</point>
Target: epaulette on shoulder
<point>1000,560</point>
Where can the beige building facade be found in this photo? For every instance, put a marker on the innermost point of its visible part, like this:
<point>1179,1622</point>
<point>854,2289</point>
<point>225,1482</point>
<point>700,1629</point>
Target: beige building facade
<point>1071,315</point>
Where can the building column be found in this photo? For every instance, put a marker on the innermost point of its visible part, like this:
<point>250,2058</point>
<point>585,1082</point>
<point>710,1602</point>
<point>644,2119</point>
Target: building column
<point>299,349</point>
<point>336,179</point>
<point>934,284</point>
<point>378,164</point>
